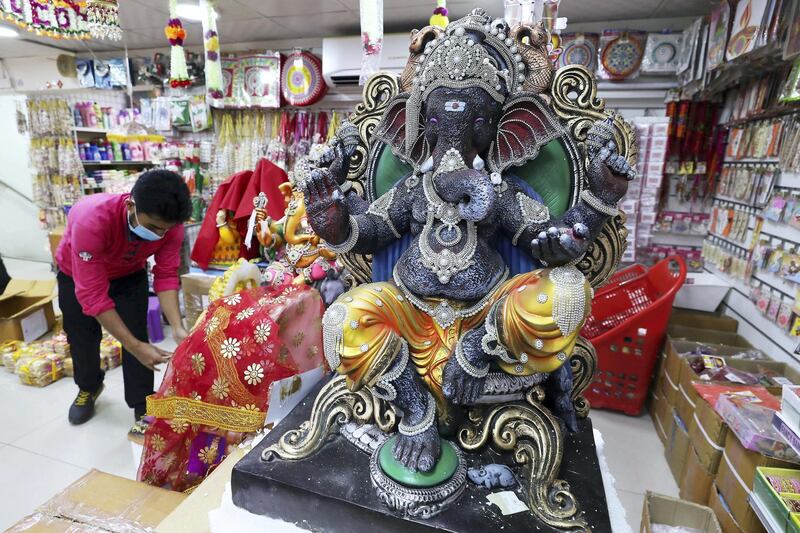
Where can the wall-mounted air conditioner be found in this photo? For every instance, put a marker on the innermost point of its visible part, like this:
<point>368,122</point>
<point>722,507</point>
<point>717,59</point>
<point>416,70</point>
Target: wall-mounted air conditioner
<point>341,58</point>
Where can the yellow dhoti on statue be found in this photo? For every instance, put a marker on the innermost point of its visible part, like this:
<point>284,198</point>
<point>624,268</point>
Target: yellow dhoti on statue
<point>365,327</point>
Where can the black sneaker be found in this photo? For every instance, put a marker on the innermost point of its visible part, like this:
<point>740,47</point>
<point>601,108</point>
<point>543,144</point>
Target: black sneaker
<point>82,409</point>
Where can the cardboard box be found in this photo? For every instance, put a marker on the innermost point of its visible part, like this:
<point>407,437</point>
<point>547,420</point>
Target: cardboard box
<point>55,236</point>
<point>677,447</point>
<point>727,338</point>
<point>669,388</point>
<point>737,470</point>
<point>707,433</point>
<point>663,420</point>
<point>660,509</point>
<point>703,320</point>
<point>195,295</point>
<point>26,309</point>
<point>103,502</point>
<point>695,484</point>
<point>717,503</point>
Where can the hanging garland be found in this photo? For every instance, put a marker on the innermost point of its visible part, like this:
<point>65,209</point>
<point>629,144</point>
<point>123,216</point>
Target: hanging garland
<point>103,16</point>
<point>213,67</point>
<point>57,19</point>
<point>178,73</point>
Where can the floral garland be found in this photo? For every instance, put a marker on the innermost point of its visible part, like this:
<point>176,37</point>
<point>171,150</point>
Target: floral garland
<point>57,19</point>
<point>103,16</point>
<point>213,67</point>
<point>178,73</point>
<point>439,17</point>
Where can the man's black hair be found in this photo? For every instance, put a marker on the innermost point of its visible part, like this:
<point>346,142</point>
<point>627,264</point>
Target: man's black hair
<point>162,194</point>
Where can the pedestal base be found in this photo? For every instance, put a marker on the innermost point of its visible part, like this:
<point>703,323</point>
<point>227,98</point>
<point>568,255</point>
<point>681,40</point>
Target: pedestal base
<point>332,491</point>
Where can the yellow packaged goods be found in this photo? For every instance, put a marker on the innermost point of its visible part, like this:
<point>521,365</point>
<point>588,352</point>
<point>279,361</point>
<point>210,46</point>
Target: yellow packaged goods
<point>68,368</point>
<point>40,370</point>
<point>23,350</point>
<point>8,347</point>
<point>110,353</point>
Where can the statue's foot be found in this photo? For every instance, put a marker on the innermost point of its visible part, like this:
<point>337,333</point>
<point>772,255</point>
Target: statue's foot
<point>418,452</point>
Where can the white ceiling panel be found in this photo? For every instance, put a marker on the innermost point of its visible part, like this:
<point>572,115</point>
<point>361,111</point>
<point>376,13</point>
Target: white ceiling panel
<point>277,8</point>
<point>240,31</point>
<point>324,24</point>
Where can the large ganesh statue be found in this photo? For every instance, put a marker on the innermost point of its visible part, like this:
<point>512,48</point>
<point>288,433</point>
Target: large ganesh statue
<point>473,217</point>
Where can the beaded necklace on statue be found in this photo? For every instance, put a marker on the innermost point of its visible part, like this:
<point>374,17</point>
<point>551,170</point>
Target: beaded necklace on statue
<point>442,222</point>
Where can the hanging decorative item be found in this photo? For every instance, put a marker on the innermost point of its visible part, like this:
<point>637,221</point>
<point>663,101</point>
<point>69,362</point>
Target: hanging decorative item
<point>57,19</point>
<point>439,17</point>
<point>301,80</point>
<point>579,49</point>
<point>661,53</point>
<point>621,54</point>
<point>178,74</point>
<point>257,80</point>
<point>718,36</point>
<point>371,38</point>
<point>213,67</point>
<point>103,19</point>
<point>746,25</point>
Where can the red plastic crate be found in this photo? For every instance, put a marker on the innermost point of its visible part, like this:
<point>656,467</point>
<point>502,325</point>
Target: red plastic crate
<point>627,326</point>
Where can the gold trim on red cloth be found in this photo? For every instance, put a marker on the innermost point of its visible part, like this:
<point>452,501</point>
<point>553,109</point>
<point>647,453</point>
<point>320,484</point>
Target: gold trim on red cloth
<point>199,412</point>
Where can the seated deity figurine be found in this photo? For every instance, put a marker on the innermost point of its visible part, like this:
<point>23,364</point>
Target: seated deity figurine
<point>426,339</point>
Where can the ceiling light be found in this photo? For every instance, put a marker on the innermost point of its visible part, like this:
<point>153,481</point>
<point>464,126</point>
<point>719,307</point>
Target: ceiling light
<point>8,32</point>
<point>191,12</point>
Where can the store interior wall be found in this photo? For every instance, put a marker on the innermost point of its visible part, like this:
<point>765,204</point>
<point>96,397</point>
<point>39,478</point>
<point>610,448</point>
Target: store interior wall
<point>22,236</point>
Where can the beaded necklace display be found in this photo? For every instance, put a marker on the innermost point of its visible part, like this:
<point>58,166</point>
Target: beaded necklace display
<point>446,263</point>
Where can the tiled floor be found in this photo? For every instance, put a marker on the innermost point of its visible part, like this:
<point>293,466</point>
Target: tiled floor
<point>41,453</point>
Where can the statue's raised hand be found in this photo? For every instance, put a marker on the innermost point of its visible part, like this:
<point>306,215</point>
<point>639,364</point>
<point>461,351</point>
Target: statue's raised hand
<point>608,172</point>
<point>325,206</point>
<point>337,156</point>
<point>559,246</point>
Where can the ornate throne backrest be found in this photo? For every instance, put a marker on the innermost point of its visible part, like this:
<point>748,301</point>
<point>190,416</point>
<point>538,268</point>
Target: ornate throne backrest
<point>556,174</point>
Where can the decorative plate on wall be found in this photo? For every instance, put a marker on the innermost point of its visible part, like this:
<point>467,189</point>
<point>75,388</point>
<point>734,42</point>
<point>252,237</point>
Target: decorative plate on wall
<point>621,54</point>
<point>579,49</point>
<point>301,79</point>
<point>661,52</point>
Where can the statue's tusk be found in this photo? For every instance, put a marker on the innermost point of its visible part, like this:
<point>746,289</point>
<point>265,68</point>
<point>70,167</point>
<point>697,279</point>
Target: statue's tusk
<point>427,166</point>
<point>478,163</point>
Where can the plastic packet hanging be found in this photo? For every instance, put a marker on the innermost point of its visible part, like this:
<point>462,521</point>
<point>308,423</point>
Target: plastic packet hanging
<point>621,53</point>
<point>371,38</point>
<point>662,52</point>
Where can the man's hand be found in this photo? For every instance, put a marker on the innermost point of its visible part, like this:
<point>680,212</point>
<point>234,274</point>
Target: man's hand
<point>149,355</point>
<point>179,334</point>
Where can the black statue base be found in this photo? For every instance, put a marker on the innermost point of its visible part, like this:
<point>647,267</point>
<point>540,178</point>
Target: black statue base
<point>331,490</point>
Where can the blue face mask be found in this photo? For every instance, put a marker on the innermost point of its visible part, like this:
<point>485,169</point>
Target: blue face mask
<point>142,232</point>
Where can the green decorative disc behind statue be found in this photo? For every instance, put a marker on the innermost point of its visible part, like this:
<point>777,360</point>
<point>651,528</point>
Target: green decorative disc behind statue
<point>444,469</point>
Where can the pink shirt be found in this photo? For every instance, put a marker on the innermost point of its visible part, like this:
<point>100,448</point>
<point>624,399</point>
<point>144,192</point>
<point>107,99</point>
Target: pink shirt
<point>98,247</point>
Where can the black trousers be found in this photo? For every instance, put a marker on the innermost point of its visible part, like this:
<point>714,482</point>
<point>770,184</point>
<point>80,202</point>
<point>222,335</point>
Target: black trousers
<point>84,333</point>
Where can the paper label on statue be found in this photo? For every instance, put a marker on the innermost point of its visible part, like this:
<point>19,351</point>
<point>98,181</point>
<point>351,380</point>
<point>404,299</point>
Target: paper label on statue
<point>34,325</point>
<point>286,393</point>
<point>507,501</point>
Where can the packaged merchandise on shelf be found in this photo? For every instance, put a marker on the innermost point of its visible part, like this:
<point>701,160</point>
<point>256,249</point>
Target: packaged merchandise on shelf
<point>750,418</point>
<point>662,53</point>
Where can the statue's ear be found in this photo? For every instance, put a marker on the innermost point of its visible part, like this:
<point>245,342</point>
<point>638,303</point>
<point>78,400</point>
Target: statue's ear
<point>392,131</point>
<point>525,126</point>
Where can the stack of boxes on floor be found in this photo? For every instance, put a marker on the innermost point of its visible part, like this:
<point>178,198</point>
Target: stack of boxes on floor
<point>640,204</point>
<point>717,431</point>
